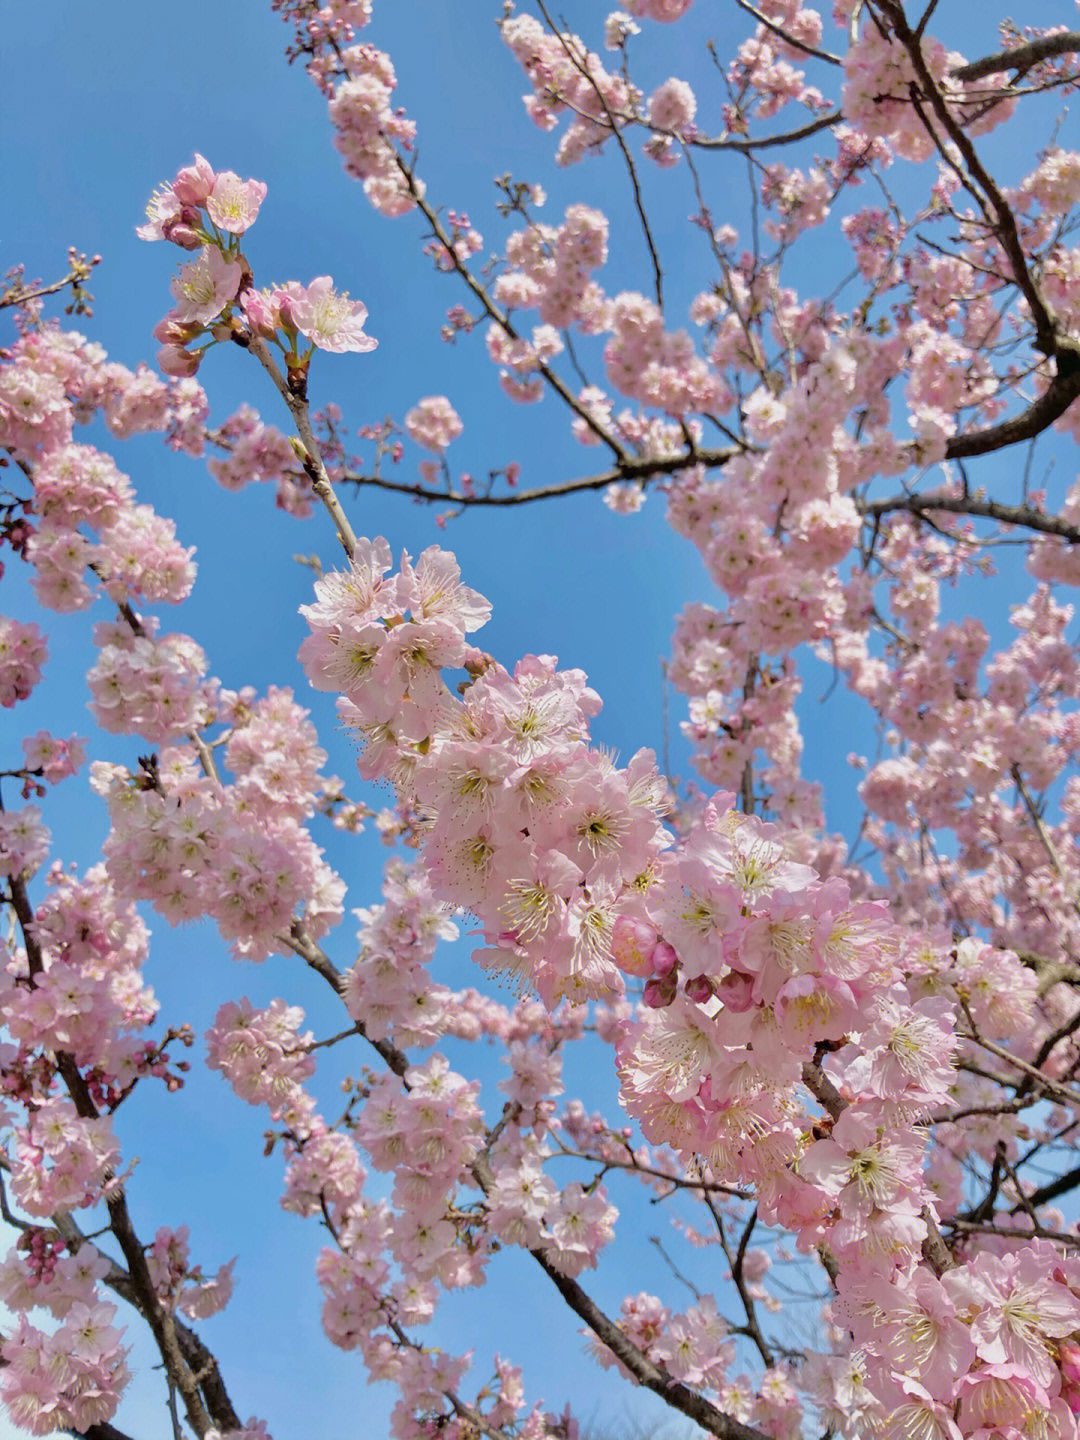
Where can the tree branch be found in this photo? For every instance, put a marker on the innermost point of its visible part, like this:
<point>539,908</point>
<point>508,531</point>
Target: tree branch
<point>612,119</point>
<point>202,1415</point>
<point>764,142</point>
<point>1022,515</point>
<point>301,943</point>
<point>653,1377</point>
<point>500,318</point>
<point>306,448</point>
<point>788,39</point>
<point>978,181</point>
<point>628,470</point>
<point>1063,389</point>
<point>1021,57</point>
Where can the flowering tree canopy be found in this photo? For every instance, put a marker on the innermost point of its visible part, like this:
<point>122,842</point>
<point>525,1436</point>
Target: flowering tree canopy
<point>846,1076</point>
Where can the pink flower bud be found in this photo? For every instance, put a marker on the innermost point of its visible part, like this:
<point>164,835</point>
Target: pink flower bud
<point>632,944</point>
<point>1069,1360</point>
<point>736,991</point>
<point>193,183</point>
<point>183,230</point>
<point>699,989</point>
<point>664,960</point>
<point>175,360</point>
<point>658,994</point>
<point>171,331</point>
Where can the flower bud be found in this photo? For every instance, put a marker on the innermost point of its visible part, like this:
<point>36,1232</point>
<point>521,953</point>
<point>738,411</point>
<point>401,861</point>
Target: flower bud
<point>1069,1360</point>
<point>175,360</point>
<point>664,960</point>
<point>736,991</point>
<point>632,944</point>
<point>183,229</point>
<point>659,993</point>
<point>699,989</point>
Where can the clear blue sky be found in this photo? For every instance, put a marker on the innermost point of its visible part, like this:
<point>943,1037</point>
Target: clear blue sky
<point>102,103</point>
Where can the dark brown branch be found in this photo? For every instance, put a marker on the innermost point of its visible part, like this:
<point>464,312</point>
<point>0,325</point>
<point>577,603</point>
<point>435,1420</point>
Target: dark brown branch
<point>301,943</point>
<point>142,1293</point>
<point>1053,1188</point>
<point>1010,1232</point>
<point>1022,515</point>
<point>628,470</point>
<point>654,1377</point>
<point>24,913</point>
<point>765,142</point>
<point>1063,389</point>
<point>822,1089</point>
<point>1021,57</point>
<point>102,1431</point>
<point>203,1364</point>
<point>752,1328</point>
<point>935,1251</point>
<point>977,180</point>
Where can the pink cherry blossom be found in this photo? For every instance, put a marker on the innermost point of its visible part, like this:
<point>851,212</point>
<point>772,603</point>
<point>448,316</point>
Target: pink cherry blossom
<point>203,288</point>
<point>233,204</point>
<point>331,321</point>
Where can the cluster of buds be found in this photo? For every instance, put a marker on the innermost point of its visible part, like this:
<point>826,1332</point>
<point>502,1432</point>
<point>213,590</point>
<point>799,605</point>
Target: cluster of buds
<point>43,1248</point>
<point>638,949</point>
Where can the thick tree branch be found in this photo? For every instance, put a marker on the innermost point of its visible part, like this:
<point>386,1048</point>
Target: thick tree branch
<point>1021,515</point>
<point>935,1251</point>
<point>653,1377</point>
<point>202,1414</point>
<point>1063,1185</point>
<point>977,180</point>
<point>1021,57</point>
<point>202,1362</point>
<point>1062,391</point>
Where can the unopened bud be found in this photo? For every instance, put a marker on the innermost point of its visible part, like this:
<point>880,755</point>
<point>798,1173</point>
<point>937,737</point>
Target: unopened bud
<point>659,994</point>
<point>175,360</point>
<point>699,989</point>
<point>664,960</point>
<point>632,944</point>
<point>736,991</point>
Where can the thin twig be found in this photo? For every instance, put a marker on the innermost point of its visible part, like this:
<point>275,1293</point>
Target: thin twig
<point>786,36</point>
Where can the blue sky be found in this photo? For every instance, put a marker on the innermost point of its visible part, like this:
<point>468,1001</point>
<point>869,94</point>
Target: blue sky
<point>99,110</point>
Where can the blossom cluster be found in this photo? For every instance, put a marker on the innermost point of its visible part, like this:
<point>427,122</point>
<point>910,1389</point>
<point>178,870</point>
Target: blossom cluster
<point>208,211</point>
<point>238,853</point>
<point>760,975</point>
<point>565,74</point>
<point>367,128</point>
<point>73,1376</point>
<point>828,1042</point>
<point>549,269</point>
